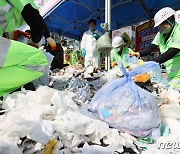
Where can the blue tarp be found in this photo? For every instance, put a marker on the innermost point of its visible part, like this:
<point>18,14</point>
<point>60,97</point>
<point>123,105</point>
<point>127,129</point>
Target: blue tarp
<point>71,17</point>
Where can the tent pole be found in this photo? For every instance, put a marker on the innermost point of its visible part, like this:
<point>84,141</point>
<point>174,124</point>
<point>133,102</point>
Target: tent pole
<point>108,21</point>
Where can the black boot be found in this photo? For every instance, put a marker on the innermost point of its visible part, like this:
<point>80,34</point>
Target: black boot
<point>30,86</point>
<point>1,98</point>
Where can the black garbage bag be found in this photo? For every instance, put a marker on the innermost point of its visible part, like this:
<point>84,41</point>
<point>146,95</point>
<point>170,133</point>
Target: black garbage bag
<point>58,59</point>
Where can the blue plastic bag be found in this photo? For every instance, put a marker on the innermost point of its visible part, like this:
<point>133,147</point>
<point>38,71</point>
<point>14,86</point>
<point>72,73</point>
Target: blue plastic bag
<point>129,59</point>
<point>125,106</point>
<point>156,76</point>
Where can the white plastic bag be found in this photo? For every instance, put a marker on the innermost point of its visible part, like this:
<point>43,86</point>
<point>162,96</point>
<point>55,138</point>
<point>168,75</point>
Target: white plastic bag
<point>96,149</point>
<point>44,80</point>
<point>8,147</point>
<point>170,116</point>
<point>43,132</point>
<point>25,120</point>
<point>173,95</point>
<point>41,96</point>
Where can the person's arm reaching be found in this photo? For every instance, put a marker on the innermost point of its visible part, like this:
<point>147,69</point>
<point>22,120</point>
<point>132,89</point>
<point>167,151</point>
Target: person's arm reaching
<point>46,33</point>
<point>167,55</point>
<point>147,51</point>
<point>37,26</point>
<point>35,22</point>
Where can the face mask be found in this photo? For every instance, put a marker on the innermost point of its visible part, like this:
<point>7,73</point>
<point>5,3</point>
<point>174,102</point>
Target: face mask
<point>119,49</point>
<point>92,28</point>
<point>165,29</point>
<point>121,46</point>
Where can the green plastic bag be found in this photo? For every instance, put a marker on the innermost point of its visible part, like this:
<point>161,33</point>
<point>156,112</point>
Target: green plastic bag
<point>104,42</point>
<point>74,58</point>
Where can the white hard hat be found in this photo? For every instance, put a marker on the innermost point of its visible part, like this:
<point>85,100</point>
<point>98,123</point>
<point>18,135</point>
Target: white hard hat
<point>177,17</point>
<point>163,15</point>
<point>117,41</point>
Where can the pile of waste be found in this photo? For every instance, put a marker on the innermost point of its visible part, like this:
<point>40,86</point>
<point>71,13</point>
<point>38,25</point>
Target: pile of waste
<point>58,120</point>
<point>31,119</point>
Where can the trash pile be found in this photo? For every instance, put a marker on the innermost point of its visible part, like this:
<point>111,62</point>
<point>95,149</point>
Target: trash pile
<point>58,120</point>
<point>31,119</point>
<point>77,71</point>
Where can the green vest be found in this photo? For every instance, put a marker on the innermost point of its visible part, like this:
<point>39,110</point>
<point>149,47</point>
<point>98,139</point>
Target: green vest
<point>115,57</point>
<point>172,65</point>
<point>10,14</point>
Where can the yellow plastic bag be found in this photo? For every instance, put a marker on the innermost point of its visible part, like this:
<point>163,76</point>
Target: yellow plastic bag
<point>143,78</point>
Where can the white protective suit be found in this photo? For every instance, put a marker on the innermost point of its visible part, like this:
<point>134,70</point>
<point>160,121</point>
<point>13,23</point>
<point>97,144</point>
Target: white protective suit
<point>88,42</point>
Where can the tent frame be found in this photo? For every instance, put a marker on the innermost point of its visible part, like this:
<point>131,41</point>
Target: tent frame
<point>75,25</point>
<point>107,15</point>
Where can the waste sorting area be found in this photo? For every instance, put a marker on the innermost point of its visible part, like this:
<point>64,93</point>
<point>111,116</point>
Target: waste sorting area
<point>92,113</point>
<point>74,82</point>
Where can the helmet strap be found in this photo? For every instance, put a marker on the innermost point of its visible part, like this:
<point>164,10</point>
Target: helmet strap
<point>170,22</point>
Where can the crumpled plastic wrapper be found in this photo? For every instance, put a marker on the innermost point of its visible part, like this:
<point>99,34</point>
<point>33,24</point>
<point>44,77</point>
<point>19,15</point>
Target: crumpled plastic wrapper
<point>96,149</point>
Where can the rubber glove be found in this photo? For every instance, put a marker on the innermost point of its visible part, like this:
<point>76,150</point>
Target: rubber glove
<point>140,62</point>
<point>96,36</point>
<point>15,34</point>
<point>114,64</point>
<point>52,43</point>
<point>83,52</point>
<point>137,54</point>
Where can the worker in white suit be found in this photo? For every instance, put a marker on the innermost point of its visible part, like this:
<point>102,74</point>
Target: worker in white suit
<point>88,46</point>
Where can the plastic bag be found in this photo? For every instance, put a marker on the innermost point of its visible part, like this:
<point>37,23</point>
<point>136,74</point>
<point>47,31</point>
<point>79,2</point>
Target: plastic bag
<point>173,95</point>
<point>157,77</point>
<point>125,106</point>
<point>104,42</point>
<point>143,78</point>
<point>96,149</point>
<point>171,119</point>
<point>8,147</point>
<point>129,59</point>
<point>44,79</point>
<point>25,120</point>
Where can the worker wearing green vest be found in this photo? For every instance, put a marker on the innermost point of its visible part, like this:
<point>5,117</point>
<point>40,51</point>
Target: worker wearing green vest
<point>20,63</point>
<point>119,51</point>
<point>168,41</point>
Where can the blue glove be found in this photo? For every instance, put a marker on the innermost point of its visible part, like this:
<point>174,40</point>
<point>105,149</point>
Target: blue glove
<point>83,52</point>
